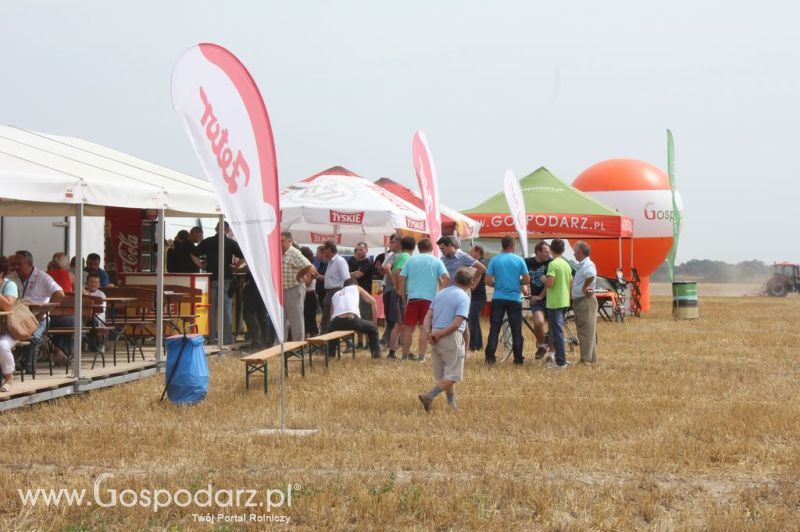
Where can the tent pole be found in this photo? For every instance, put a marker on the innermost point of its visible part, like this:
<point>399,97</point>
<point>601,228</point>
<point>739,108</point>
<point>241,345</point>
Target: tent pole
<point>160,233</point>
<point>78,290</point>
<point>220,282</point>
<point>619,264</point>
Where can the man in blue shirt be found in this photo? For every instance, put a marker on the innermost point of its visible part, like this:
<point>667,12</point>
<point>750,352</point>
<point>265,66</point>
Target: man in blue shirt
<point>421,276</point>
<point>508,274</point>
<point>93,266</point>
<point>453,259</point>
<point>444,325</point>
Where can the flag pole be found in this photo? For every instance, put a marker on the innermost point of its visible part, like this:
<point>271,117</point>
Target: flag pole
<point>283,395</point>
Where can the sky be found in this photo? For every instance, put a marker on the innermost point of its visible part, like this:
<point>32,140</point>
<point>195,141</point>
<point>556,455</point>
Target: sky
<point>494,85</point>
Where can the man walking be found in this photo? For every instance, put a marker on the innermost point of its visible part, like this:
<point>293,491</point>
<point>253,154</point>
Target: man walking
<point>558,281</point>
<point>537,267</point>
<point>336,273</point>
<point>477,301</point>
<point>584,304</point>
<point>295,269</point>
<point>420,278</point>
<point>444,326</point>
<point>509,276</point>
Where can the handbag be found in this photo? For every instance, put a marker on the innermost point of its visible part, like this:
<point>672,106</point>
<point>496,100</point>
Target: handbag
<point>21,323</point>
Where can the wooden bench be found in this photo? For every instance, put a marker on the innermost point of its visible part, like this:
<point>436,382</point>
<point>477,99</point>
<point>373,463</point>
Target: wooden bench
<point>257,362</point>
<point>325,340</point>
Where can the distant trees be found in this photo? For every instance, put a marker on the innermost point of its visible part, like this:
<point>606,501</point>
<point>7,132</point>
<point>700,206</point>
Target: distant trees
<point>716,271</point>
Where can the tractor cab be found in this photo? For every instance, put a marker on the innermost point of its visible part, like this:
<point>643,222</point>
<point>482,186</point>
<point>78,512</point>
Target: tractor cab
<point>787,270</point>
<point>785,279</point>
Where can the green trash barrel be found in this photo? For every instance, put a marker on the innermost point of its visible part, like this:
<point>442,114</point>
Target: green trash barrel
<point>684,300</point>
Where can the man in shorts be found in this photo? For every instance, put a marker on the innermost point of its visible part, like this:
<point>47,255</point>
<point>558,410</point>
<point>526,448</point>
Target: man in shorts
<point>537,267</point>
<point>421,276</point>
<point>444,326</point>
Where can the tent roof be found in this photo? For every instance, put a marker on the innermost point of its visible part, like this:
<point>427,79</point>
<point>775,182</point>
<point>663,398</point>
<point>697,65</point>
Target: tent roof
<point>452,220</point>
<point>554,209</point>
<point>47,175</point>
<point>339,203</point>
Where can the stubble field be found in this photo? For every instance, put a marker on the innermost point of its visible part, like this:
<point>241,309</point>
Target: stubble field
<point>682,425</point>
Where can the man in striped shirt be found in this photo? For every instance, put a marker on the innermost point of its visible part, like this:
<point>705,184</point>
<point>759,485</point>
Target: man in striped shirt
<point>295,269</point>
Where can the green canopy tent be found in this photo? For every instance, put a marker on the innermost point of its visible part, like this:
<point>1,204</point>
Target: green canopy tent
<point>554,210</point>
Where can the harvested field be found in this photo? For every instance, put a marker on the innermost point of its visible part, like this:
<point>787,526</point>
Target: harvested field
<point>682,425</point>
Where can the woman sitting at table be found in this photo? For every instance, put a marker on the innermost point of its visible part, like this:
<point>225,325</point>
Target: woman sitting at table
<point>8,295</point>
<point>58,269</point>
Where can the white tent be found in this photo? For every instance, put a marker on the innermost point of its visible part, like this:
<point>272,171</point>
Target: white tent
<point>453,222</point>
<point>47,175</point>
<point>338,204</point>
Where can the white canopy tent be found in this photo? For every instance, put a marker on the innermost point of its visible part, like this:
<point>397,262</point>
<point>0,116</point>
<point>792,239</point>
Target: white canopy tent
<point>341,205</point>
<point>44,175</point>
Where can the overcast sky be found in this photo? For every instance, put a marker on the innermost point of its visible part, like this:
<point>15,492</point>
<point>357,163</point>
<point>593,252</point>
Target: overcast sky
<point>494,85</point>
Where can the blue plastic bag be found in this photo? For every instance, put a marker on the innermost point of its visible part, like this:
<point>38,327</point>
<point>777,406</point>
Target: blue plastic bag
<point>189,380</point>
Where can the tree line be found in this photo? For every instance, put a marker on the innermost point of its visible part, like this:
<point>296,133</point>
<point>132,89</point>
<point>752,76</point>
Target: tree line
<point>716,271</point>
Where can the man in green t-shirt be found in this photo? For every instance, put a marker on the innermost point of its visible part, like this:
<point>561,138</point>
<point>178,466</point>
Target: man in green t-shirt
<point>558,281</point>
<point>407,244</point>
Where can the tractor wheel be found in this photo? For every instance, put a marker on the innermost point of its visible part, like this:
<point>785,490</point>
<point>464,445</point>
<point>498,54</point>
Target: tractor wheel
<point>777,288</point>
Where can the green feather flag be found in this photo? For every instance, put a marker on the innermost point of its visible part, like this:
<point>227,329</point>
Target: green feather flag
<point>676,214</point>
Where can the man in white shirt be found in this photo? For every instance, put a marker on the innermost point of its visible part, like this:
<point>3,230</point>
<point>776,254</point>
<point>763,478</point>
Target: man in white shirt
<point>346,315</point>
<point>36,286</point>
<point>336,273</point>
<point>584,304</point>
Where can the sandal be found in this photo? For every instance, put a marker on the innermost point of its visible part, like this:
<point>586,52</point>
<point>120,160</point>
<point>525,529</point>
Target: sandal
<point>4,388</point>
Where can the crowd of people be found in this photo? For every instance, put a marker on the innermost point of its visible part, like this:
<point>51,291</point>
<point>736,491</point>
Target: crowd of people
<point>21,279</point>
<point>440,298</point>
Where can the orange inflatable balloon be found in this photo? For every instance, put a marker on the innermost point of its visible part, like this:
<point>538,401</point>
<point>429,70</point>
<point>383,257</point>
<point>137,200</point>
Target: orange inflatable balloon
<point>641,191</point>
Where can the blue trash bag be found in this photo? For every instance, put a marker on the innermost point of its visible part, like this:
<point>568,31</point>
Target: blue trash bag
<point>189,384</point>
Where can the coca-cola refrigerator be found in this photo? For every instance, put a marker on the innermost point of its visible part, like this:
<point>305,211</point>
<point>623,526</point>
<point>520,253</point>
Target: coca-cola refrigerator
<point>130,241</point>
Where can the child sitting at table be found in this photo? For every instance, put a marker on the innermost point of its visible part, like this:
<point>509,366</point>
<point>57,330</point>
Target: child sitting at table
<point>92,290</point>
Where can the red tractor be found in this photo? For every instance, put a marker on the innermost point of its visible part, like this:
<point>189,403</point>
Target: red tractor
<point>785,278</point>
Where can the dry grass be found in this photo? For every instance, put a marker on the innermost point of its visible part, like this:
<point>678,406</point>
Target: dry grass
<point>684,425</point>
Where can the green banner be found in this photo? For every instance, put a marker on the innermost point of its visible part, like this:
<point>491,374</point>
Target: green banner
<point>676,213</point>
